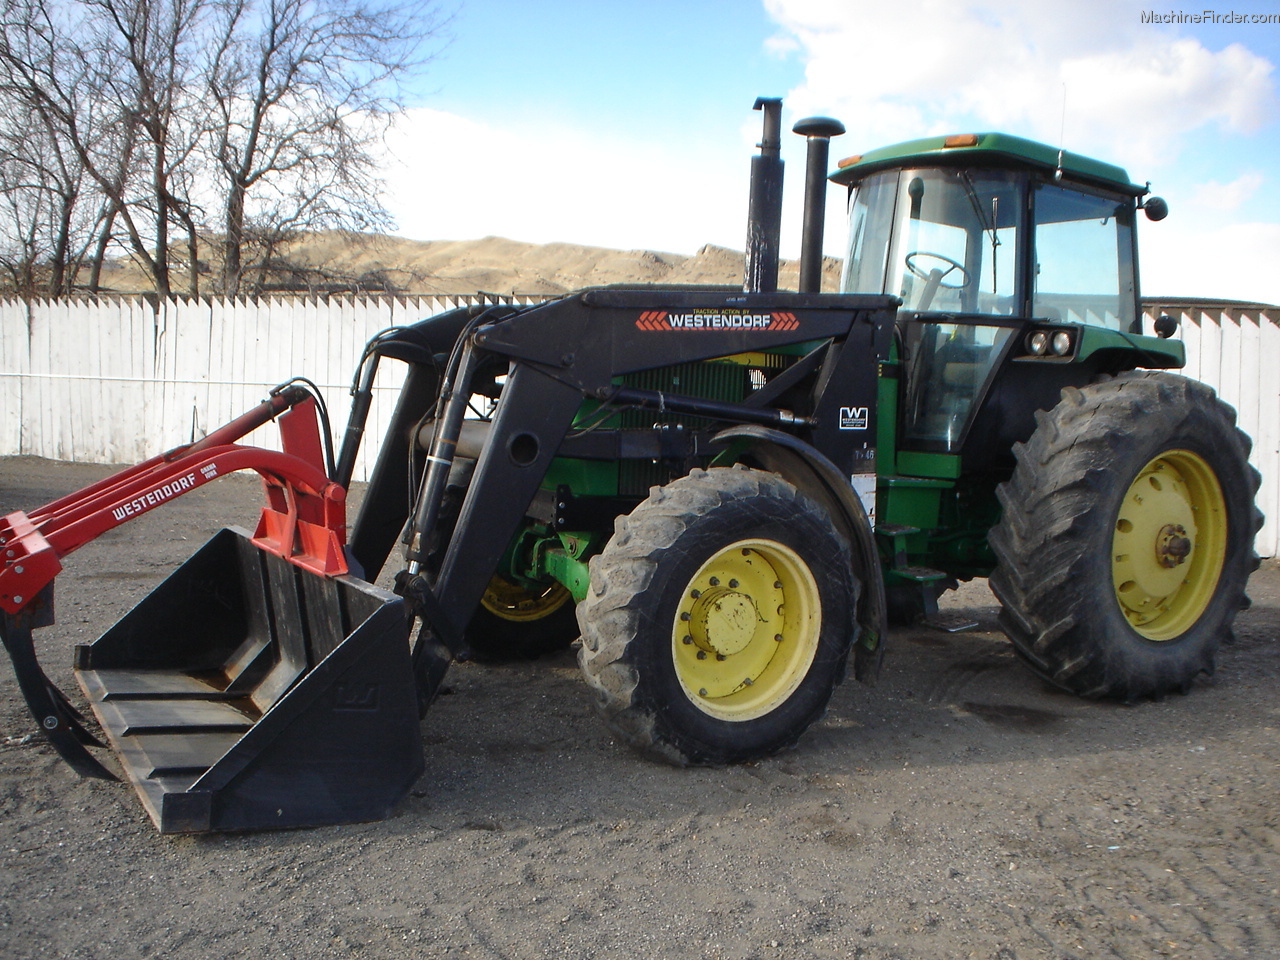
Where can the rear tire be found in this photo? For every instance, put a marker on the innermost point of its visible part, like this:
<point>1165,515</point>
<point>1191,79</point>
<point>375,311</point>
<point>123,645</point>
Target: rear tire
<point>719,619</point>
<point>1126,539</point>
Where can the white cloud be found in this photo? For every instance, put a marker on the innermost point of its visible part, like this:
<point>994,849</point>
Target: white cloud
<point>1133,92</point>
<point>1233,262</point>
<point>457,178</point>
<point>1227,197</point>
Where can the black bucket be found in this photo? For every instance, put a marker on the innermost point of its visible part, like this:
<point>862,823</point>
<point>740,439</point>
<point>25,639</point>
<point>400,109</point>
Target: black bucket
<point>246,693</point>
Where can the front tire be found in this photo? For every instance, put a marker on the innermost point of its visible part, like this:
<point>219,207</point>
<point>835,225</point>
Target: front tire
<point>1126,539</point>
<point>719,619</point>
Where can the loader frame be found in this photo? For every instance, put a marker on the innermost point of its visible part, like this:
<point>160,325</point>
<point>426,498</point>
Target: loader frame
<point>615,332</point>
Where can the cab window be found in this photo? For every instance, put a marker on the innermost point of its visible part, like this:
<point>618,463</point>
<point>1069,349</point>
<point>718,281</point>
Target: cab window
<point>1083,250</point>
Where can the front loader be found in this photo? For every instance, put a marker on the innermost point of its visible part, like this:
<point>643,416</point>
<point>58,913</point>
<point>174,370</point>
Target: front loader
<point>725,494</point>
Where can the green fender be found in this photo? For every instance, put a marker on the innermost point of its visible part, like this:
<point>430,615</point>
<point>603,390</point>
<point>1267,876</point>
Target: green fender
<point>811,472</point>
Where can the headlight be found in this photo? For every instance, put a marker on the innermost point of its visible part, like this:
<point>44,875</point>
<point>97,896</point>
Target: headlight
<point>1038,342</point>
<point>1062,343</point>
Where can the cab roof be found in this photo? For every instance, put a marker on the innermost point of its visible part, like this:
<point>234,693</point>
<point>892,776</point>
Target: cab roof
<point>986,149</point>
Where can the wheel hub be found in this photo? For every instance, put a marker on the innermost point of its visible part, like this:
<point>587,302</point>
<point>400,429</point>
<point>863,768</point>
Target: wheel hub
<point>1173,545</point>
<point>746,629</point>
<point>1169,544</point>
<point>510,601</point>
<point>724,622</point>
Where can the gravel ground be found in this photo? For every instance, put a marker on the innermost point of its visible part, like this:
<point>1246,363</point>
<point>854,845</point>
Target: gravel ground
<point>958,809</point>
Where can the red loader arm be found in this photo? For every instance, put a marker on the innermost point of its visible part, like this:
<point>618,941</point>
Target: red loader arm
<point>304,522</point>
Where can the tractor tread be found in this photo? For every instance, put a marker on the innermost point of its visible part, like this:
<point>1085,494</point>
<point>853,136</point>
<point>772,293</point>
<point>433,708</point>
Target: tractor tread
<point>1052,544</point>
<point>620,604</point>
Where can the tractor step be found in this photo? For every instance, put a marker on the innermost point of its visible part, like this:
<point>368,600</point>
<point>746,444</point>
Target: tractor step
<point>919,574</point>
<point>949,622</point>
<point>246,693</point>
<point>895,530</point>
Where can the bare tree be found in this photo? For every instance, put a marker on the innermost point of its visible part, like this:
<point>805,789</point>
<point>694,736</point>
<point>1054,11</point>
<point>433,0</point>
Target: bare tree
<point>151,116</point>
<point>160,45</point>
<point>44,177</point>
<point>58,70</point>
<point>304,90</point>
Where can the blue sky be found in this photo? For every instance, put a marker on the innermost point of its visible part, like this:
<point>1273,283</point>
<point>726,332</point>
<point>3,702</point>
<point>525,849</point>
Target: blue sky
<point>630,125</point>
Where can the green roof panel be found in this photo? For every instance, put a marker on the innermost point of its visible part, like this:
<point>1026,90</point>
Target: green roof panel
<point>987,149</point>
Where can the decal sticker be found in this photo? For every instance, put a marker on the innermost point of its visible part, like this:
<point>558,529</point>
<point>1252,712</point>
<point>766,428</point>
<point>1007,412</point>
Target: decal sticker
<point>864,485</point>
<point>717,319</point>
<point>166,491</point>
<point>853,418</point>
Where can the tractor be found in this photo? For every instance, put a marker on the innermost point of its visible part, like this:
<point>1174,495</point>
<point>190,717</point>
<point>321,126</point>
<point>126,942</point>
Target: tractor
<point>723,495</point>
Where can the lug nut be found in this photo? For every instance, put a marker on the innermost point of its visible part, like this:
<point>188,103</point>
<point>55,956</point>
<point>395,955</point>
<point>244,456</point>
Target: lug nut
<point>702,654</point>
<point>687,640</point>
<point>686,615</point>
<point>733,584</point>
<point>715,581</point>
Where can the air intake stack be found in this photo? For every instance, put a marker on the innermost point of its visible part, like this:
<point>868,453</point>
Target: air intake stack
<point>819,131</point>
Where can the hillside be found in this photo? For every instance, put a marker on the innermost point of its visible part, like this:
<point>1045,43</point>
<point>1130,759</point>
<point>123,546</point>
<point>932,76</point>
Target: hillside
<point>375,263</point>
<point>498,265</point>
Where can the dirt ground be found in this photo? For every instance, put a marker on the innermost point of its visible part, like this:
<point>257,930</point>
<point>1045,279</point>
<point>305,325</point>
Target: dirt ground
<point>958,809</point>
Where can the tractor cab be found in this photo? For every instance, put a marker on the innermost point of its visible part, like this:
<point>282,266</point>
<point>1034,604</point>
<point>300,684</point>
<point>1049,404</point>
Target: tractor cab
<point>1008,256</point>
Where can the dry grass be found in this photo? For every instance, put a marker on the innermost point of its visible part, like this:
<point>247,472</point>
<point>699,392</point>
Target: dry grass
<point>375,263</point>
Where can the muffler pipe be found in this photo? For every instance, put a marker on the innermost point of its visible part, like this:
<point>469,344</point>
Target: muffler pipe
<point>764,208</point>
<point>819,131</point>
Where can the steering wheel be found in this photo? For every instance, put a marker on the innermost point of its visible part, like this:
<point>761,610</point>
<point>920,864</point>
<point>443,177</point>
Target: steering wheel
<point>952,267</point>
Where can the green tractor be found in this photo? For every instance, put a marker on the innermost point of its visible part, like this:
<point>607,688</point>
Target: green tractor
<point>1030,433</point>
<point>726,493</point>
<point>1025,429</point>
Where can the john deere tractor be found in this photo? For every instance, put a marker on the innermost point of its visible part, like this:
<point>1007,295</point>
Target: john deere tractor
<point>726,493</point>
<point>1030,431</point>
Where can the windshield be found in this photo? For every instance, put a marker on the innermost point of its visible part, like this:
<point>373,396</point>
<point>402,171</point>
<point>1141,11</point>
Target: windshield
<point>941,239</point>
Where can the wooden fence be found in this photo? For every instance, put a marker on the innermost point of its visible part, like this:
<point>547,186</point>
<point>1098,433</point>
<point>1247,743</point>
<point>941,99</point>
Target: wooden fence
<point>1236,350</point>
<point>117,380</point>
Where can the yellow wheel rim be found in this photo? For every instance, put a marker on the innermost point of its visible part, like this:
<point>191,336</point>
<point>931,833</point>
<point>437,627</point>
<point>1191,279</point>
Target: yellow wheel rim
<point>1169,545</point>
<point>513,602</point>
<point>746,630</point>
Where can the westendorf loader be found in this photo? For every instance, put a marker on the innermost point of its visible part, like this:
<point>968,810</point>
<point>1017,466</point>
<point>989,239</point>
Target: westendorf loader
<point>727,494</point>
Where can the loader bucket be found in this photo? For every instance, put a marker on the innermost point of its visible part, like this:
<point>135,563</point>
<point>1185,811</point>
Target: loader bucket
<point>247,693</point>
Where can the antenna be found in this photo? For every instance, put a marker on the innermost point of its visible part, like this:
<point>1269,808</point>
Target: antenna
<point>1062,133</point>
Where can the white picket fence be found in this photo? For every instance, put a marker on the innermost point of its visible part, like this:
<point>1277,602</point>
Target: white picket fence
<point>118,380</point>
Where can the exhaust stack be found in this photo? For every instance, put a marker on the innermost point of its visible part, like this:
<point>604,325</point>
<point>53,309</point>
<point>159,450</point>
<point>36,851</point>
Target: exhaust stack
<point>819,131</point>
<point>764,211</point>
